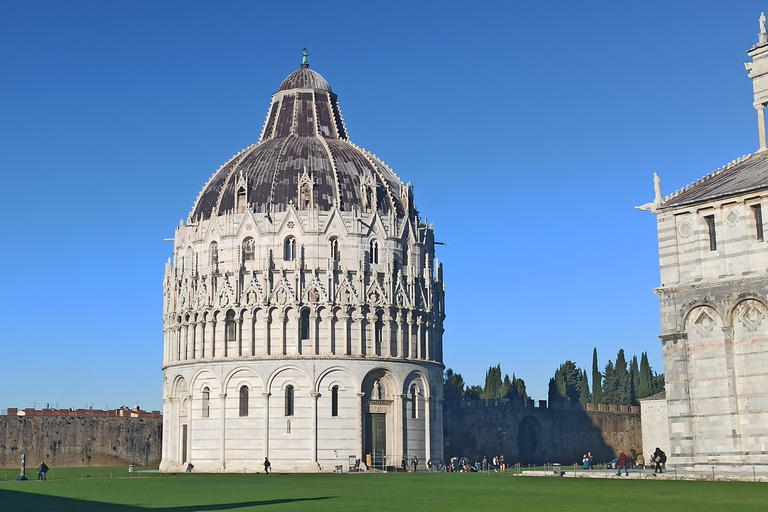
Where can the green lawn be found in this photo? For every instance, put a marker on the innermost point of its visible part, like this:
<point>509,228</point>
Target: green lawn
<point>84,490</point>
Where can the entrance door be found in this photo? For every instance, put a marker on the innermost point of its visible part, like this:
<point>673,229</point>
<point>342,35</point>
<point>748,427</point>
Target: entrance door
<point>378,440</point>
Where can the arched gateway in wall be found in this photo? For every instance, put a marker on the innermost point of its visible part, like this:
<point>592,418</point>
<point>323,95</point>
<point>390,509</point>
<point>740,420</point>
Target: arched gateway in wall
<point>303,307</point>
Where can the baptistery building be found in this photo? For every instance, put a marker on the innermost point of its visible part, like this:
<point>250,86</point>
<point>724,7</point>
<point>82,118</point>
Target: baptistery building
<point>303,306</point>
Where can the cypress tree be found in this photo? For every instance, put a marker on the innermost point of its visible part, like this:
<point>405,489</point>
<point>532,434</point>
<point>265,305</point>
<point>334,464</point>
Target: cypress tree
<point>584,388</point>
<point>645,386</point>
<point>597,380</point>
<point>610,384</point>
<point>519,385</point>
<point>623,380</point>
<point>507,391</point>
<point>634,377</point>
<point>492,382</point>
<point>553,395</point>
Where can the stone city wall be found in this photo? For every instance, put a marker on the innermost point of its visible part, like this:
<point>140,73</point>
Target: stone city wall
<point>522,433</point>
<point>537,435</point>
<point>92,441</point>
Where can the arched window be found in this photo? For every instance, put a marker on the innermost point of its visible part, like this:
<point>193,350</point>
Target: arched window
<point>374,251</point>
<point>240,203</point>
<point>243,401</point>
<point>290,248</point>
<point>214,257</point>
<point>378,329</point>
<point>335,401</point>
<point>289,400</point>
<point>230,326</point>
<point>414,401</point>
<point>305,324</point>
<point>335,256</point>
<point>249,249</point>
<point>206,402</point>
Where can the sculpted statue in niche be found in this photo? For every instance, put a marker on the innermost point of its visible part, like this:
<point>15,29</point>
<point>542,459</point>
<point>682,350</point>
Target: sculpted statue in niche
<point>346,296</point>
<point>281,296</point>
<point>314,295</point>
<point>376,393</point>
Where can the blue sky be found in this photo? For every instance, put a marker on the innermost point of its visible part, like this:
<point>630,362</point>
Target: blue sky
<point>529,130</point>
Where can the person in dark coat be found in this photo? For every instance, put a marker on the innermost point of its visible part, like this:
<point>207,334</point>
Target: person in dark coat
<point>42,469</point>
<point>267,465</point>
<point>659,458</point>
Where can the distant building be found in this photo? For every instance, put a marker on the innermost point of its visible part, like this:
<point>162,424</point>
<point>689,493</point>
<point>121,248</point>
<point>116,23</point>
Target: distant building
<point>714,304</point>
<point>303,308</point>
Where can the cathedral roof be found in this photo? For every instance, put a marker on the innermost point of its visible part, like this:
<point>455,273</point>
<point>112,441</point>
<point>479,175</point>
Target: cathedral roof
<point>304,141</point>
<point>742,175</point>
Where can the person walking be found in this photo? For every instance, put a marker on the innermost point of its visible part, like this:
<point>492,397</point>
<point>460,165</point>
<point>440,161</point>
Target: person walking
<point>267,465</point>
<point>403,465</point>
<point>415,464</point>
<point>640,461</point>
<point>622,464</point>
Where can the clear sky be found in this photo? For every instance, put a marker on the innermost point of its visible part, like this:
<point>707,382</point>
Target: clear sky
<point>529,130</point>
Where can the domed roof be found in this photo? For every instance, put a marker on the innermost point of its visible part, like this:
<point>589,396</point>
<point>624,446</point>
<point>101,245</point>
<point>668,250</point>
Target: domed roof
<point>305,78</point>
<point>303,145</point>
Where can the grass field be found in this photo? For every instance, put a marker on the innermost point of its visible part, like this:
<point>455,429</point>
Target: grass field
<point>84,490</point>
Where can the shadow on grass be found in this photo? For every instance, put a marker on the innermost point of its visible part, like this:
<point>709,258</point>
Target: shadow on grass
<point>17,500</point>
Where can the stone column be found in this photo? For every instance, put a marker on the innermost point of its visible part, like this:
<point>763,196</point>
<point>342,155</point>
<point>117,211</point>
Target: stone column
<point>409,339</point>
<point>360,426</point>
<point>313,332</point>
<point>358,318</point>
<point>239,335</point>
<point>344,319</point>
<point>419,338</point>
<point>223,462</point>
<point>167,428</point>
<point>761,125</point>
<point>202,339</point>
<point>315,396</point>
<point>266,423</point>
<point>213,338</point>
<point>386,334</point>
<point>427,429</point>
<point>297,314</point>
<point>439,419</point>
<point>401,420</point>
<point>282,318</point>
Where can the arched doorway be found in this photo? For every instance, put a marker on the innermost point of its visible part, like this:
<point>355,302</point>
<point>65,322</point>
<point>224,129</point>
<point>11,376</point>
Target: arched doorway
<point>529,440</point>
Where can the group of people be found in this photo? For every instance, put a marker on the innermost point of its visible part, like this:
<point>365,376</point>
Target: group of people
<point>42,469</point>
<point>658,459</point>
<point>414,465</point>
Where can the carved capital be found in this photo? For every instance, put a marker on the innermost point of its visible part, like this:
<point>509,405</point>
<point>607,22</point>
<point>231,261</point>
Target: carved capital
<point>759,106</point>
<point>315,395</point>
<point>674,337</point>
<point>266,395</point>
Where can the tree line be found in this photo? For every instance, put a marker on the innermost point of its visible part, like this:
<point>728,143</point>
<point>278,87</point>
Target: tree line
<point>620,383</point>
<point>454,387</point>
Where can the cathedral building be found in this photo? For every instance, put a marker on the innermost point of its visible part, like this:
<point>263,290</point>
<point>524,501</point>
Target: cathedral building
<point>713,297</point>
<point>303,307</point>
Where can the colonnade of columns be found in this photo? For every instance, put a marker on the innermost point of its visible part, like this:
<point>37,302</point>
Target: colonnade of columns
<point>407,335</point>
